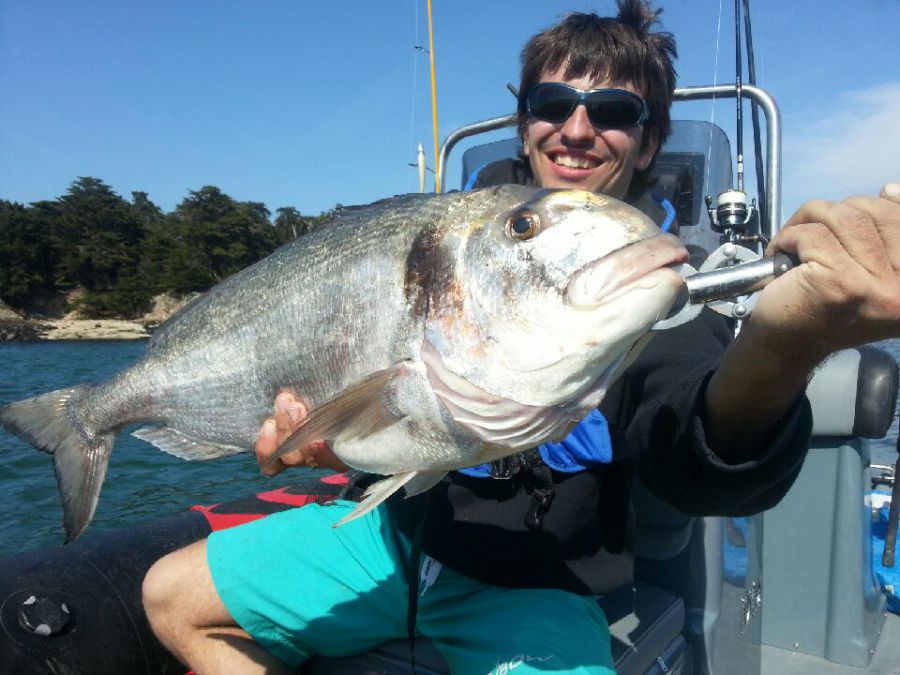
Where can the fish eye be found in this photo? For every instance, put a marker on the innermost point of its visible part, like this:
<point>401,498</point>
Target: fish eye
<point>523,225</point>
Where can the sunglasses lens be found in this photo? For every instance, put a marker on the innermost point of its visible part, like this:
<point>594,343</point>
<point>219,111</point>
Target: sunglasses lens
<point>606,108</point>
<point>552,103</point>
<point>614,111</point>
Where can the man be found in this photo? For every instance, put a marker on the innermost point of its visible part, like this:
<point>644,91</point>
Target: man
<point>509,565</point>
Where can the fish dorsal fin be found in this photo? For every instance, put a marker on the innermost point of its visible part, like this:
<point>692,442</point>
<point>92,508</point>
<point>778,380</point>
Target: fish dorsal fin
<point>183,446</point>
<point>356,412</point>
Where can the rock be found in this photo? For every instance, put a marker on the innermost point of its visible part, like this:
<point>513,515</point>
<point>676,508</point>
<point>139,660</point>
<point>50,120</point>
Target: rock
<point>7,313</point>
<point>20,330</point>
<point>164,306</point>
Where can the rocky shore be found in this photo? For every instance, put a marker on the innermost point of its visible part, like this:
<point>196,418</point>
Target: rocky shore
<point>17,328</point>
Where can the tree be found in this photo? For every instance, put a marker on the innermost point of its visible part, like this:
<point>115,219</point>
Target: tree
<point>124,253</point>
<point>227,235</point>
<point>290,224</point>
<point>96,235</point>
<point>25,260</point>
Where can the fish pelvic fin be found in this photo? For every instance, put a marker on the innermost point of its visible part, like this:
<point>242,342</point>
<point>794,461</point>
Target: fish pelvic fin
<point>182,445</point>
<point>413,483</point>
<point>80,454</point>
<point>356,412</point>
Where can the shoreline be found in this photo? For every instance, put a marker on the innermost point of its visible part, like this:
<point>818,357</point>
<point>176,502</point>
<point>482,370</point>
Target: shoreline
<point>94,329</point>
<point>40,330</point>
<point>49,322</point>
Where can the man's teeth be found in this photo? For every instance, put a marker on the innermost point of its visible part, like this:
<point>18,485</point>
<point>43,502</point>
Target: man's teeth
<point>574,162</point>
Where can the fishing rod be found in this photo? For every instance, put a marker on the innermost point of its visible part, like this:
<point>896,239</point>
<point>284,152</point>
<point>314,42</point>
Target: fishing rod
<point>735,217</point>
<point>762,203</point>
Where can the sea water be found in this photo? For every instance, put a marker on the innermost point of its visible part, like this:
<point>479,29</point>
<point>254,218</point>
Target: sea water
<point>142,483</point>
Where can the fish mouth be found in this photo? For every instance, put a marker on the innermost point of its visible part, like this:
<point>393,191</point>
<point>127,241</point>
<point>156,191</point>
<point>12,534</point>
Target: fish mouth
<point>638,264</point>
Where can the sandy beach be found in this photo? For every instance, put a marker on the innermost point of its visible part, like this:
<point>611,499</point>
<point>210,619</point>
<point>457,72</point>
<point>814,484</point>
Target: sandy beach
<point>93,329</point>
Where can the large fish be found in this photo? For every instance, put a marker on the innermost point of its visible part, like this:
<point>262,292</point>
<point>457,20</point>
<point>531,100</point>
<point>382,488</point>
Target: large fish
<point>428,333</point>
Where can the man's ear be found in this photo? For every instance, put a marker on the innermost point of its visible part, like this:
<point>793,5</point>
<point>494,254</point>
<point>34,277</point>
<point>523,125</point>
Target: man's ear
<point>649,144</point>
<point>524,138</point>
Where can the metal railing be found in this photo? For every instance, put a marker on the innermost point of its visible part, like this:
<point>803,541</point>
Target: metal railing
<point>759,96</point>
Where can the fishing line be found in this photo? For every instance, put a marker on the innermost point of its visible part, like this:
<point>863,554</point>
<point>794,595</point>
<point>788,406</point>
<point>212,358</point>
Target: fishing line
<point>417,49</point>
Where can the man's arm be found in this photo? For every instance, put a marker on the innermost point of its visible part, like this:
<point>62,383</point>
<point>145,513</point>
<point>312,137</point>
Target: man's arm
<point>846,293</point>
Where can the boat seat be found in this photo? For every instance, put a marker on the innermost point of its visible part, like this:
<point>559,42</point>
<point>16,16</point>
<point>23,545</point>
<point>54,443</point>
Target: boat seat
<point>645,623</point>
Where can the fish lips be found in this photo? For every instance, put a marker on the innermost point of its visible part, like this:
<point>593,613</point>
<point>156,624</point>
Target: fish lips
<point>644,263</point>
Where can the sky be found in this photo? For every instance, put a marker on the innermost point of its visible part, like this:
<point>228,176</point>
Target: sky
<point>311,104</point>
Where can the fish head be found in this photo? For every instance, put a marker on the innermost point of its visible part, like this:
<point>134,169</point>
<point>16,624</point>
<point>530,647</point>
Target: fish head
<point>546,297</point>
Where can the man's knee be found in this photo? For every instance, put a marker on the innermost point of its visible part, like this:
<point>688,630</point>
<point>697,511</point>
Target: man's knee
<point>171,587</point>
<point>156,590</point>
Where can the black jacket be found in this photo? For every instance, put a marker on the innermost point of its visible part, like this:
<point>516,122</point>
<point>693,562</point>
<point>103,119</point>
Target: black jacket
<point>476,525</point>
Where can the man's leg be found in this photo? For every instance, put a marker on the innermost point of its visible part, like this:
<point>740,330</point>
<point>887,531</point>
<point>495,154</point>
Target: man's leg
<point>188,617</point>
<point>296,584</point>
<point>486,629</point>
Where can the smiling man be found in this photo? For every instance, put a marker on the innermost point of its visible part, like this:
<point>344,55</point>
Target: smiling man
<point>512,555</point>
<point>587,133</point>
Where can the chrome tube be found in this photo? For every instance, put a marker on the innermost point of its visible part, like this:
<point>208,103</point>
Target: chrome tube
<point>471,130</point>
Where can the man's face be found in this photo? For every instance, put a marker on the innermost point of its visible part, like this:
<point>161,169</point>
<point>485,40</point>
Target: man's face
<point>574,154</point>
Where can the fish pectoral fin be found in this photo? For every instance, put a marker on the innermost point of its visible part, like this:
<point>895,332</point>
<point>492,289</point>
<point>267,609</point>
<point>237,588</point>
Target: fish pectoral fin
<point>377,493</point>
<point>356,412</point>
<point>183,446</point>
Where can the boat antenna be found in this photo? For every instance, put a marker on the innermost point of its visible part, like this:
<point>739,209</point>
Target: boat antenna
<point>437,157</point>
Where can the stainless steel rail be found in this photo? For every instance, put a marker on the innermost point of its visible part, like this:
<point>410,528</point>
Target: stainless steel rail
<point>759,96</point>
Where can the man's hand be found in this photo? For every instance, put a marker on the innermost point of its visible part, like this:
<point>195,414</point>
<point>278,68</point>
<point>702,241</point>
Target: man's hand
<point>846,293</point>
<point>289,414</point>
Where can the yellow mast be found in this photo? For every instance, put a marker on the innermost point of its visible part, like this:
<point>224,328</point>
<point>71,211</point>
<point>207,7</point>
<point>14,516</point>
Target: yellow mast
<point>437,158</point>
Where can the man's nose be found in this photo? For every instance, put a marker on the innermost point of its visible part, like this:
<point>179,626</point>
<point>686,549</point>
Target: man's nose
<point>578,128</point>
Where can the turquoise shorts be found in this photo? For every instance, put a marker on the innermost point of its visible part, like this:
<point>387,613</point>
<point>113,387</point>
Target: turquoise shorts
<point>300,587</point>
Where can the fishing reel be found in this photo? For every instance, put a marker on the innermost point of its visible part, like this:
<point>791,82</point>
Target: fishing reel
<point>735,218</point>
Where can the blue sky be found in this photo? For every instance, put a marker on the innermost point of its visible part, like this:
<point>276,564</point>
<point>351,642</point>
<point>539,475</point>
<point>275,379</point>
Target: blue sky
<point>309,104</point>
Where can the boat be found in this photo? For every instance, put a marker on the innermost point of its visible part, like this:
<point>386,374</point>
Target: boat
<point>791,590</point>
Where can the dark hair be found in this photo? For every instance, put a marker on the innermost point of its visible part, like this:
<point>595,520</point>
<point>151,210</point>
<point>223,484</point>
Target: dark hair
<point>623,48</point>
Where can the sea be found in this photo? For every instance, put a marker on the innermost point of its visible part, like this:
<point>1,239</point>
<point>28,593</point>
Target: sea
<point>142,483</point>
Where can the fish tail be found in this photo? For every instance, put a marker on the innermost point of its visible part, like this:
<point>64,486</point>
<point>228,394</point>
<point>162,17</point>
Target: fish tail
<point>53,424</point>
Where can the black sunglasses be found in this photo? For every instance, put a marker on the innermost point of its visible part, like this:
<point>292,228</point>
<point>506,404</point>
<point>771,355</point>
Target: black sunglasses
<point>606,108</point>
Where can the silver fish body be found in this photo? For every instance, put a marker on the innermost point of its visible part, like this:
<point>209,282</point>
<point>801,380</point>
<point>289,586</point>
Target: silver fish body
<point>428,333</point>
